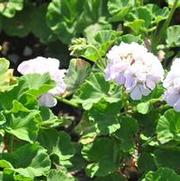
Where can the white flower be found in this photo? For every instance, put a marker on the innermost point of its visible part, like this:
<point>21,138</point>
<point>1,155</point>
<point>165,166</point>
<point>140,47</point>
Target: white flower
<point>172,85</point>
<point>134,67</point>
<point>43,65</point>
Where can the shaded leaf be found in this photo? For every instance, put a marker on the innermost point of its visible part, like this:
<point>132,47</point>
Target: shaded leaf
<point>168,127</point>
<point>55,175</point>
<point>162,174</point>
<point>58,143</point>
<point>173,36</point>
<point>9,8</point>
<point>93,90</point>
<point>37,84</point>
<point>126,134</point>
<point>168,158</point>
<point>103,161</point>
<point>22,123</point>
<point>30,160</point>
<point>105,117</point>
<point>119,9</point>
<point>77,72</point>
<point>111,177</point>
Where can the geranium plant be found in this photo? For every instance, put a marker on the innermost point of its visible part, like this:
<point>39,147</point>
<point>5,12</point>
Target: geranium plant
<point>122,82</point>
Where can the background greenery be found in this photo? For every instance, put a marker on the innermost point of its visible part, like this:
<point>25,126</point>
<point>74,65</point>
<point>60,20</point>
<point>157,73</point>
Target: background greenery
<point>95,132</point>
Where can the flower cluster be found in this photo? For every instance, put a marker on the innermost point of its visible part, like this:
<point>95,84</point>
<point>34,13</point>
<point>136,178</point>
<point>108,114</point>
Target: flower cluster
<point>134,67</point>
<point>43,65</point>
<point>172,85</point>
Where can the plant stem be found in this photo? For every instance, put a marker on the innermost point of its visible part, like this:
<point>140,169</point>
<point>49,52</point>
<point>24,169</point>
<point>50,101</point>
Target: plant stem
<point>158,37</point>
<point>167,22</point>
<point>68,102</point>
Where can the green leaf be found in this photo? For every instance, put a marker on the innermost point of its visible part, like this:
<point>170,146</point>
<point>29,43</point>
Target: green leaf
<point>27,89</point>
<point>168,158</point>
<point>77,161</point>
<point>30,160</point>
<point>55,175</point>
<point>105,39</point>
<point>173,36</point>
<point>37,84</point>
<point>162,174</point>
<point>92,30</point>
<point>4,65</point>
<point>49,119</point>
<point>129,38</point>
<point>105,117</point>
<point>101,43</point>
<point>103,161</point>
<point>77,72</point>
<point>147,123</point>
<point>93,90</point>
<point>157,13</point>
<point>111,177</point>
<point>7,81</point>
<point>74,16</point>
<point>8,8</point>
<point>139,20</point>
<point>137,25</point>
<point>168,127</point>
<point>127,133</point>
<point>21,122</point>
<point>5,164</point>
<point>93,11</point>
<point>143,107</point>
<point>61,17</point>
<point>58,143</point>
<point>69,19</point>
<point>119,9</point>
<point>146,162</point>
<point>19,25</point>
<point>171,3</point>
<point>39,26</point>
<point>15,94</point>
<point>7,175</point>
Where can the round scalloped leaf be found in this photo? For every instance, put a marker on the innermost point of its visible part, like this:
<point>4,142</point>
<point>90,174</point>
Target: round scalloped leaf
<point>4,65</point>
<point>94,89</point>
<point>55,175</point>
<point>168,127</point>
<point>173,36</point>
<point>7,81</point>
<point>22,122</point>
<point>30,160</point>
<point>119,9</point>
<point>104,155</point>
<point>63,18</point>
<point>8,8</point>
<point>19,25</point>
<point>59,143</point>
<point>68,19</point>
<point>105,118</point>
<point>162,174</point>
<point>168,158</point>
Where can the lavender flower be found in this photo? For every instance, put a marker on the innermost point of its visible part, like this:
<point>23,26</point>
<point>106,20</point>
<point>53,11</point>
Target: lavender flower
<point>43,65</point>
<point>172,85</point>
<point>134,67</point>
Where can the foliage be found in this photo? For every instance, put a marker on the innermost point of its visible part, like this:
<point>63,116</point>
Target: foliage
<point>111,137</point>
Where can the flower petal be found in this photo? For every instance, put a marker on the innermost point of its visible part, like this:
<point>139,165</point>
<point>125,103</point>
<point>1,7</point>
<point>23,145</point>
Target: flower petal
<point>47,100</point>
<point>136,93</point>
